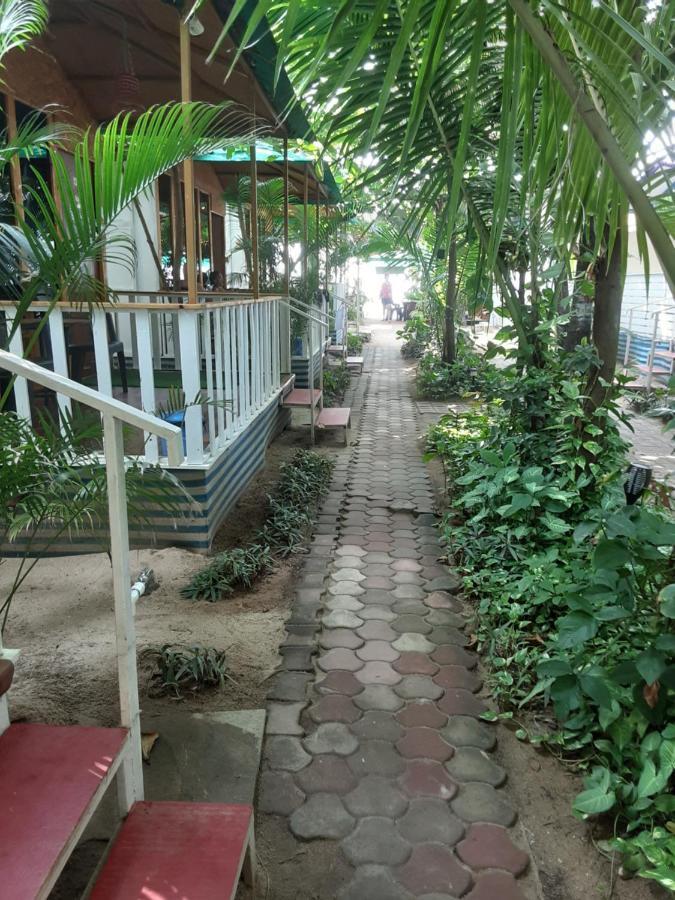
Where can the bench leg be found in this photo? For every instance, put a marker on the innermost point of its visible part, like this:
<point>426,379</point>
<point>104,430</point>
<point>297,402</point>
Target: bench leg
<point>249,867</point>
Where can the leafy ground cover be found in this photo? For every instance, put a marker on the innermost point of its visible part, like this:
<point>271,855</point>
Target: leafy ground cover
<point>302,483</point>
<point>573,593</point>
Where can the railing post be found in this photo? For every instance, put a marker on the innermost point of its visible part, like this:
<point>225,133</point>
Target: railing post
<point>99,327</point>
<point>146,374</point>
<point>57,337</point>
<point>219,315</point>
<point>310,378</point>
<point>21,394</point>
<point>650,363</point>
<point>208,361</point>
<point>130,776</point>
<point>191,380</point>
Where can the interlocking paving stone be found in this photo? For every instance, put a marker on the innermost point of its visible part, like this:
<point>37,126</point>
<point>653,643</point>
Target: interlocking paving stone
<point>425,778</point>
<point>421,713</point>
<point>456,702</point>
<point>375,840</point>
<point>490,847</point>
<point>339,682</point>
<point>341,619</point>
<point>458,677</point>
<point>450,583</point>
<point>479,802</point>
<point>297,659</point>
<point>407,578</point>
<point>345,603</point>
<point>377,650</point>
<point>418,687</point>
<point>327,773</point>
<point>408,592</point>
<point>377,724</point>
<point>444,635</point>
<point>345,588</point>
<point>415,663</point>
<point>286,752</point>
<point>284,718</point>
<point>406,565</point>
<point>377,757</point>
<point>347,575</point>
<point>493,885</point>
<point>411,624</point>
<point>377,672</point>
<point>373,883</point>
<point>424,743</point>
<point>435,868</point>
<point>470,764</point>
<point>375,795</point>
<point>380,613</point>
<point>430,821</point>
<point>452,655</point>
<point>350,550</point>
<point>334,708</point>
<point>378,696</point>
<point>413,642</point>
<point>321,816</point>
<point>279,795</point>
<point>340,637</point>
<point>445,617</point>
<point>339,658</point>
<point>289,686</point>
<point>464,731</point>
<point>349,562</point>
<point>331,737</point>
<point>378,582</point>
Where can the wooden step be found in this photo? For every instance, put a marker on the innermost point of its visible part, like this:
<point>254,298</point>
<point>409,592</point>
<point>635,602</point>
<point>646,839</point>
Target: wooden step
<point>654,371</point>
<point>355,362</point>
<point>336,349</point>
<point>335,417</point>
<point>52,778</point>
<point>300,397</point>
<point>170,850</point>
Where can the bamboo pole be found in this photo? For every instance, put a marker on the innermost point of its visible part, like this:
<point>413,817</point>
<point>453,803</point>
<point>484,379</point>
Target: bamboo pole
<point>327,221</point>
<point>188,169</point>
<point>287,267</point>
<point>317,216</point>
<point>255,273</point>
<point>14,165</point>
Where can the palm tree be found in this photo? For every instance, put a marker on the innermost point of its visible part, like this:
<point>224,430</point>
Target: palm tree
<point>550,107</point>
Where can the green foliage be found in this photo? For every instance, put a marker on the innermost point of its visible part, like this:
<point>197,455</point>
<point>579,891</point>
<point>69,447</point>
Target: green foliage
<point>354,343</point>
<point>336,380</point>
<point>469,373</point>
<point>416,335</point>
<point>303,481</point>
<point>54,485</point>
<point>649,854</point>
<point>177,667</point>
<point>575,601</point>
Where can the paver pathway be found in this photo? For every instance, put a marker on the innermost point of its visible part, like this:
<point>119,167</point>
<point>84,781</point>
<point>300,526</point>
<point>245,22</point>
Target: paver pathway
<point>374,738</point>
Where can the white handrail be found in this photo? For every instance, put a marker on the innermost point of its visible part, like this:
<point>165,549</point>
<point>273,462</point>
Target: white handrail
<point>114,413</point>
<point>24,368</point>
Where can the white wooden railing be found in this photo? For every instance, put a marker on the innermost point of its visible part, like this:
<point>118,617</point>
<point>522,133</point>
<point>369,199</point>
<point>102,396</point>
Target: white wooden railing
<point>114,415</point>
<point>227,352</point>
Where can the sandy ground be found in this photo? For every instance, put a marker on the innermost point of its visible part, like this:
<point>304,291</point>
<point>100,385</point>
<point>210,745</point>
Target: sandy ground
<point>62,619</point>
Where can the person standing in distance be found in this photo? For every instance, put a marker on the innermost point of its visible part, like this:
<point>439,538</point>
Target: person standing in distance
<point>386,299</point>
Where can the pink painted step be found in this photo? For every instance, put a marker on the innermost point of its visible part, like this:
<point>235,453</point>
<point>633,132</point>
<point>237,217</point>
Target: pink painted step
<point>179,851</point>
<point>301,397</point>
<point>51,780</point>
<point>335,417</point>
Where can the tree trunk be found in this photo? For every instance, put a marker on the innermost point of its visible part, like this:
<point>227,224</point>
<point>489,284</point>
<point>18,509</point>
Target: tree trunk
<point>449,347</point>
<point>606,323</point>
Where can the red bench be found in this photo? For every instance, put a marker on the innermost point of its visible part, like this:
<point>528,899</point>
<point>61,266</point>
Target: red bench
<point>179,850</point>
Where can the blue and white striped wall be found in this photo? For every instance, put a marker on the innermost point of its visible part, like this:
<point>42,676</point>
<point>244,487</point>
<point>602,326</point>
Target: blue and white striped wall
<point>210,493</point>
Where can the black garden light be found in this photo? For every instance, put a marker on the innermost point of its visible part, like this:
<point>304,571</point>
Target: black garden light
<point>637,479</point>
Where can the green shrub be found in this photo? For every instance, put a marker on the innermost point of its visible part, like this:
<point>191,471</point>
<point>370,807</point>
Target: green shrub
<point>354,343</point>
<point>416,335</point>
<point>336,380</point>
<point>574,591</point>
<point>302,483</point>
<point>177,667</point>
